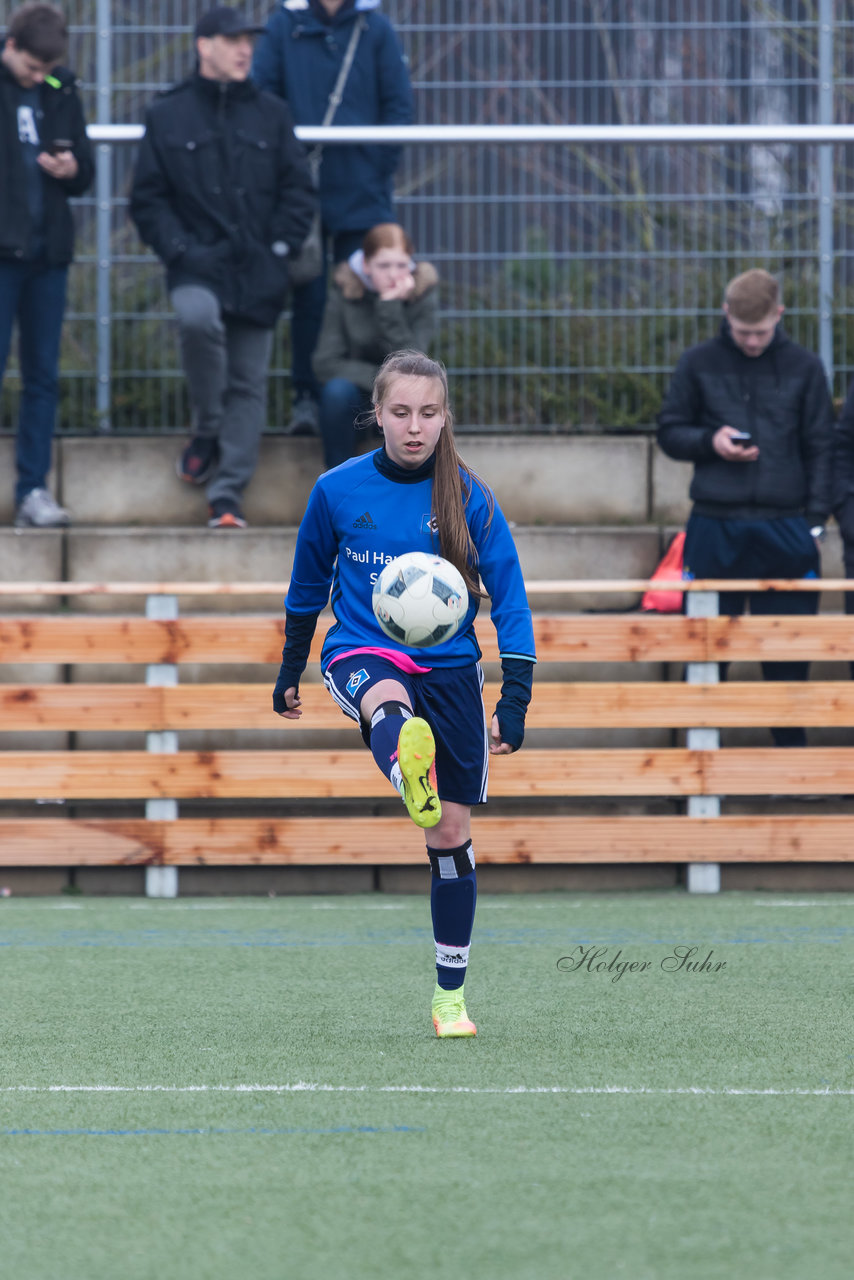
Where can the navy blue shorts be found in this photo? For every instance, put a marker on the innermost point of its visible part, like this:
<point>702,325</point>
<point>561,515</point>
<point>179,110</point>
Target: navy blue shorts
<point>450,699</point>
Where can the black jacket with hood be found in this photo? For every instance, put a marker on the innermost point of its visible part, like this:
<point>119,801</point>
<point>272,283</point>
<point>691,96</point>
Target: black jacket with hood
<point>781,397</point>
<point>843,477</point>
<point>222,193</point>
<point>60,116</point>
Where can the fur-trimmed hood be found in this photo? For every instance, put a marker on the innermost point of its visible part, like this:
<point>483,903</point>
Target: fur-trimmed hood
<point>353,287</point>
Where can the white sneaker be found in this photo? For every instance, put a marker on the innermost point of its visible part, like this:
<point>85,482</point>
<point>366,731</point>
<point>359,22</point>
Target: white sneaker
<point>40,510</point>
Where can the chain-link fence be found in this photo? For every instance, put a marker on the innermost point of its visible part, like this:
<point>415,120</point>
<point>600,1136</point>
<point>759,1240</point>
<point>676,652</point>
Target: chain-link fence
<point>572,276</point>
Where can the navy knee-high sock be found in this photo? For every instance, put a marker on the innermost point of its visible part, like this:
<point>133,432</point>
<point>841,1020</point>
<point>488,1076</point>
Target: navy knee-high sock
<point>386,724</point>
<point>453,896</point>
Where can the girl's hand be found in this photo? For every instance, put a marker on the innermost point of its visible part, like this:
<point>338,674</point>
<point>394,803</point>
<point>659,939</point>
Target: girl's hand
<point>496,746</point>
<point>400,290</point>
<point>294,705</point>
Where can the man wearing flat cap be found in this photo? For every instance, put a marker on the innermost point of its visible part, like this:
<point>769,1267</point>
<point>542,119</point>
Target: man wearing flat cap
<point>223,195</point>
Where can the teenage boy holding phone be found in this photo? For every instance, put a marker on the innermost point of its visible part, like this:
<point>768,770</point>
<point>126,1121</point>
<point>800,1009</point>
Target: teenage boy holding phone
<point>752,410</point>
<point>45,158</point>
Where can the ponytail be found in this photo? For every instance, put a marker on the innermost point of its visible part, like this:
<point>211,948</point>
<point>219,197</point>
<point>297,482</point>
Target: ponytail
<point>453,480</point>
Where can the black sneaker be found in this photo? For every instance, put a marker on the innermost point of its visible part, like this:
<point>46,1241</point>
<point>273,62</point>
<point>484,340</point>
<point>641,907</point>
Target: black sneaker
<point>198,461</point>
<point>226,515</point>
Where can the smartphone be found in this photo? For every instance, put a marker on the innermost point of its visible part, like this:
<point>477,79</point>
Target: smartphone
<point>60,144</point>
<point>741,437</point>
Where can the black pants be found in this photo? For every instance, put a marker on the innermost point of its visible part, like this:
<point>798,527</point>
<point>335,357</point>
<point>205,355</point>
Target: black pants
<point>782,548</point>
<point>849,595</point>
<point>844,513</point>
<point>308,302</point>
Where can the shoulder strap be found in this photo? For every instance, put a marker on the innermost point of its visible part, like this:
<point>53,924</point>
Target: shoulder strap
<point>338,92</point>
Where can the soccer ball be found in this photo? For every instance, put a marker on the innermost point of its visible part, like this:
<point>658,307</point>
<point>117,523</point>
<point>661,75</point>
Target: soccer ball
<point>420,600</point>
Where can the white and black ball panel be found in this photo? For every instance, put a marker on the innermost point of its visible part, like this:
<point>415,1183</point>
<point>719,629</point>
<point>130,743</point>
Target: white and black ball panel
<point>419,600</point>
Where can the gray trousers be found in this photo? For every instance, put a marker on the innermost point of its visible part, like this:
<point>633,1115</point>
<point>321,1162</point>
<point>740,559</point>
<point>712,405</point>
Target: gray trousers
<point>226,364</point>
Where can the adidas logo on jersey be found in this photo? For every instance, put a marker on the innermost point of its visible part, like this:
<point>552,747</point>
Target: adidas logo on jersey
<point>364,521</point>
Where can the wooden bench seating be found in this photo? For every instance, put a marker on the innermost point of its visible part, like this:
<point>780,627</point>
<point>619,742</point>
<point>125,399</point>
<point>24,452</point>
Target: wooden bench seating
<point>368,831</point>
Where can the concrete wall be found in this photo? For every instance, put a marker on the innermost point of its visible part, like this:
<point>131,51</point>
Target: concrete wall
<point>539,480</point>
<point>581,507</point>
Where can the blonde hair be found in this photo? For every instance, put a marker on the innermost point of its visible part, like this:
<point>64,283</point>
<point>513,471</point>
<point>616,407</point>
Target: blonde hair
<point>752,296</point>
<point>386,235</point>
<point>450,495</point>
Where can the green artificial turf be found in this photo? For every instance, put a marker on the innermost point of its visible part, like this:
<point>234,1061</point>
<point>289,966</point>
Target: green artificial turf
<point>266,1097</point>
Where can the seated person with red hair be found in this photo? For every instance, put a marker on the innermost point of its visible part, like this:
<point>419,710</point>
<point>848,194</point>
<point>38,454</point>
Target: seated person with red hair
<point>379,301</point>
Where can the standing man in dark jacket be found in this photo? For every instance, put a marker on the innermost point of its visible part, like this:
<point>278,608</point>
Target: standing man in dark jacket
<point>45,157</point>
<point>299,57</point>
<point>223,195</point>
<point>751,409</point>
<point>843,491</point>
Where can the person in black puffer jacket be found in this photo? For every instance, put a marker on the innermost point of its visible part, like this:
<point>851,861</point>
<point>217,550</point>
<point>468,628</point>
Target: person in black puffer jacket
<point>752,410</point>
<point>223,194</point>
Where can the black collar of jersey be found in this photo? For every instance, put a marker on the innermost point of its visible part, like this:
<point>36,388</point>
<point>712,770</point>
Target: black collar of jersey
<point>403,475</point>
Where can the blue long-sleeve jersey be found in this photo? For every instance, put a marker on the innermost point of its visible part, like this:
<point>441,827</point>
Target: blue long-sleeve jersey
<point>357,520</point>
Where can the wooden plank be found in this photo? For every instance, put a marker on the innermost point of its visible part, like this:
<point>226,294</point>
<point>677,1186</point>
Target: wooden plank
<point>642,637</point>
<point>543,586</point>
<point>77,842</point>
<point>83,706</point>
<point>650,839</point>
<point>352,774</point>
<point>133,588</point>
<point>565,637</point>
<point>141,708</point>
<point>74,638</point>
<point>675,705</point>
<point>630,637</point>
<point>746,771</point>
<point>395,841</point>
<point>824,636</point>
<point>555,705</point>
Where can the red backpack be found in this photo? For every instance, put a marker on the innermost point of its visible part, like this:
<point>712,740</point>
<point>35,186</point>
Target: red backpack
<point>669,570</point>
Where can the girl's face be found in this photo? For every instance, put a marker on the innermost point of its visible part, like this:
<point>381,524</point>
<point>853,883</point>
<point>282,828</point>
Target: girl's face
<point>387,268</point>
<point>411,416</point>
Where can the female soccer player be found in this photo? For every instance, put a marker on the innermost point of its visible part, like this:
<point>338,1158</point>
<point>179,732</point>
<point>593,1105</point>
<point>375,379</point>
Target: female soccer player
<point>420,710</point>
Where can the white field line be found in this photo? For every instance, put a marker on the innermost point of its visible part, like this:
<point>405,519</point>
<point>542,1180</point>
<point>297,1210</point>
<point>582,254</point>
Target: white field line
<point>806,902</point>
<point>832,900</point>
<point>308,1087</point>
<point>239,905</point>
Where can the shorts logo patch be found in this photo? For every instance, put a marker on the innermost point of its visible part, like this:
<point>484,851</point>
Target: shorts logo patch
<point>357,678</point>
<point>428,523</point>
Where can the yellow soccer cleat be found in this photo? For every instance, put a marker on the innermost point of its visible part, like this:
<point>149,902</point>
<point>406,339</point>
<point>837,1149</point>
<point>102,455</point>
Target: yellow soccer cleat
<point>449,1014</point>
<point>416,753</point>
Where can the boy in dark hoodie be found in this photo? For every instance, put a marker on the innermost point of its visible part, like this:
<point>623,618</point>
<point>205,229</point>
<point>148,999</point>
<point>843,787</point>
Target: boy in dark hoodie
<point>752,410</point>
<point>45,158</point>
